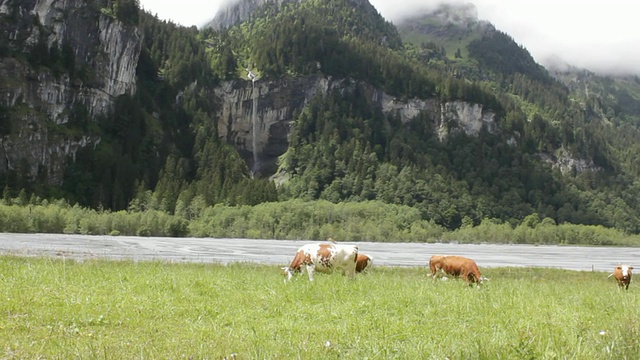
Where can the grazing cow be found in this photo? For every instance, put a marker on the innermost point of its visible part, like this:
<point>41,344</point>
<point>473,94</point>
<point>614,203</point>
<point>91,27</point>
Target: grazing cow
<point>457,266</point>
<point>363,262</point>
<point>622,273</point>
<point>323,258</point>
<point>435,264</point>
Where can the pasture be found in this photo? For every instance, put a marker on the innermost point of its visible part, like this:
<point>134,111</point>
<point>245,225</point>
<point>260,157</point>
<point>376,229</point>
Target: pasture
<point>56,308</point>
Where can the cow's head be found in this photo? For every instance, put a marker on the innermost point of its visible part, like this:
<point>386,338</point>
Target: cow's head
<point>287,272</point>
<point>625,271</point>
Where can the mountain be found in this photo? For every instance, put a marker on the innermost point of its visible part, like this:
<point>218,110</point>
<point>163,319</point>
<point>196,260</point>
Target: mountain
<point>233,13</point>
<point>59,65</point>
<point>315,99</point>
<point>605,97</point>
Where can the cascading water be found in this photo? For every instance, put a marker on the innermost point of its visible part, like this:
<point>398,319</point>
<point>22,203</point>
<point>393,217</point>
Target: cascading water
<point>255,94</point>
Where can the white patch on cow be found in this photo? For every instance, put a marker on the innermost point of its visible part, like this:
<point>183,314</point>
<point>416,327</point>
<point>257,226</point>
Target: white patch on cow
<point>288,272</point>
<point>625,271</point>
<point>339,257</point>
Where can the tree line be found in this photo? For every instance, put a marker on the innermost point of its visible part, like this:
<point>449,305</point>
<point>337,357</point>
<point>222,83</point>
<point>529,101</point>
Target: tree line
<point>294,220</point>
<point>160,152</point>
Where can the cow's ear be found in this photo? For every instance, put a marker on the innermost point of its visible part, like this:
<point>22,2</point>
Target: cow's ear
<point>618,267</point>
<point>630,267</point>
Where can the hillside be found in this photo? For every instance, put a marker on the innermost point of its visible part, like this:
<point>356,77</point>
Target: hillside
<point>315,100</point>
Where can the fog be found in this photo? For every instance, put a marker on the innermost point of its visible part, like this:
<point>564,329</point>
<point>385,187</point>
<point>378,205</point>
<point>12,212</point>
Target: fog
<point>599,35</point>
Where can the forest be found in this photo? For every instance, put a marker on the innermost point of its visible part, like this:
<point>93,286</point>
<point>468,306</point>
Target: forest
<point>162,156</point>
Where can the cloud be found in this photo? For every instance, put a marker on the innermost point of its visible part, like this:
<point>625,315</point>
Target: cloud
<point>183,12</point>
<point>600,35</point>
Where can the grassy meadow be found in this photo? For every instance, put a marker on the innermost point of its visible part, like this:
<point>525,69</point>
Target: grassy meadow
<point>63,309</point>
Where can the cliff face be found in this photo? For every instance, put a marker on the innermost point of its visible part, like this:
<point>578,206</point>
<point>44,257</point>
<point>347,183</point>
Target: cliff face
<point>256,117</point>
<point>38,101</point>
<point>235,12</point>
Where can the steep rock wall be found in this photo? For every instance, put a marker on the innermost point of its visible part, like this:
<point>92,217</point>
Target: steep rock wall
<point>257,117</point>
<point>37,102</point>
<point>235,12</point>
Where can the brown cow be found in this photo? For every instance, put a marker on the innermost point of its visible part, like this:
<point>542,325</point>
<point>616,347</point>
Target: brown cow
<point>363,262</point>
<point>435,264</point>
<point>457,266</point>
<point>622,273</point>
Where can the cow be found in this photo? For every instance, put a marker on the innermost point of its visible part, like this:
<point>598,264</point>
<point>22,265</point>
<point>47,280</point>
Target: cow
<point>457,266</point>
<point>323,257</point>
<point>622,274</point>
<point>363,262</point>
<point>435,264</point>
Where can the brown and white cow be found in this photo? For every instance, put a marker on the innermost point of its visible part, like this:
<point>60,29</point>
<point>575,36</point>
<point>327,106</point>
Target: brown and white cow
<point>363,262</point>
<point>622,274</point>
<point>324,258</point>
<point>457,266</point>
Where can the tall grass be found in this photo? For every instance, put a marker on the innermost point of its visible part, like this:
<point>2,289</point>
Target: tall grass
<point>106,310</point>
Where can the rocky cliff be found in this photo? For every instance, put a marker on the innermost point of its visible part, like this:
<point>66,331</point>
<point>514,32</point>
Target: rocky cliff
<point>235,12</point>
<point>256,117</point>
<point>88,59</point>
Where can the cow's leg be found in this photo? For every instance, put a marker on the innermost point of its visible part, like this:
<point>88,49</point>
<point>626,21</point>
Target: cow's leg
<point>468,277</point>
<point>434,274</point>
<point>433,271</point>
<point>350,271</point>
<point>311,268</point>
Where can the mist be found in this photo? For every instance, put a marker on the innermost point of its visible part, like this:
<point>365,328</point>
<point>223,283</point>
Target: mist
<point>598,35</point>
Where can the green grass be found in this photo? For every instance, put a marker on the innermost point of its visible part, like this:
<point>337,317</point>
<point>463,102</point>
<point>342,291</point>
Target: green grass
<point>130,310</point>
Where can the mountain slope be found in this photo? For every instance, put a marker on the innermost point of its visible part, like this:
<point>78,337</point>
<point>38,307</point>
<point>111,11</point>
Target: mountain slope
<point>326,93</point>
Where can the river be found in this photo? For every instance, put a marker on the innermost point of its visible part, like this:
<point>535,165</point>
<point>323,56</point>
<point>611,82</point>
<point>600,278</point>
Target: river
<point>280,252</point>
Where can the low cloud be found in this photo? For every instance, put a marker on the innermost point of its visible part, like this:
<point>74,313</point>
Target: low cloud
<point>599,35</point>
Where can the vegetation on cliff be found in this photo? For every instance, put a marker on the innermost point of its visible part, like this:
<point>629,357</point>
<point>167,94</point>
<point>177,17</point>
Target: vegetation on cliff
<point>160,150</point>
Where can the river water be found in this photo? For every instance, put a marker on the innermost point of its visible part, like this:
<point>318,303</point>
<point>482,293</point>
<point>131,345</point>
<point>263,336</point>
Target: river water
<point>280,252</point>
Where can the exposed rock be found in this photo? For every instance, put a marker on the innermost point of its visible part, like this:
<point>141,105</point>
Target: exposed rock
<point>567,163</point>
<point>261,136</point>
<point>37,100</point>
<point>234,12</point>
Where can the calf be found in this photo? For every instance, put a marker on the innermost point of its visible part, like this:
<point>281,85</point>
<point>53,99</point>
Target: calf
<point>323,258</point>
<point>622,273</point>
<point>457,266</point>
<point>363,262</point>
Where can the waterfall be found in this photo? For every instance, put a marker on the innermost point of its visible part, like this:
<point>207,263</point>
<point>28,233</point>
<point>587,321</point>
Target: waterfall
<point>254,121</point>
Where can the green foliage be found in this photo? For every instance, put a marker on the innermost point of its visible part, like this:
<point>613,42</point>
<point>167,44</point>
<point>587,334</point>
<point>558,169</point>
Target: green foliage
<point>296,219</point>
<point>293,219</point>
<point>341,151</point>
<point>154,309</point>
<point>126,11</point>
<point>542,232</point>
<point>160,149</point>
<point>498,52</point>
<point>61,218</point>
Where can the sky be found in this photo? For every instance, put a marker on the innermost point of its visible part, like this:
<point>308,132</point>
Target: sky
<point>600,35</point>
